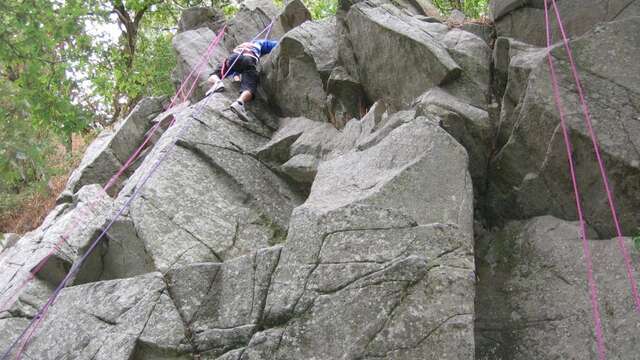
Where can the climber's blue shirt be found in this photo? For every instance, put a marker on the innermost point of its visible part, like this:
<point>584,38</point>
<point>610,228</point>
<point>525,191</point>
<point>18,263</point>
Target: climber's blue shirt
<point>256,48</point>
<point>266,46</point>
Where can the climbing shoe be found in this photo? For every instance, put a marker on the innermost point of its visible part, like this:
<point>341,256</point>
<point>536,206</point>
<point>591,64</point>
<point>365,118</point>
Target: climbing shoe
<point>238,108</point>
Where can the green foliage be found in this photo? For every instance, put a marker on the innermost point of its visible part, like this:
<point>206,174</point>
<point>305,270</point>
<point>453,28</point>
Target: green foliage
<point>23,153</point>
<point>229,10</point>
<point>636,241</point>
<point>139,63</point>
<point>115,81</point>
<point>39,40</point>
<point>471,8</point>
<point>57,76</point>
<point>321,9</point>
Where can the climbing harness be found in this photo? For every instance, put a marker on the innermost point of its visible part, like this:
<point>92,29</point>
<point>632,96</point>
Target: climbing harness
<point>600,344</point>
<point>28,333</point>
<point>248,49</point>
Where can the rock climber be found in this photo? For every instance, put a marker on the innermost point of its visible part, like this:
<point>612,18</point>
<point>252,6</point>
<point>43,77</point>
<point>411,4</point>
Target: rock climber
<point>243,63</point>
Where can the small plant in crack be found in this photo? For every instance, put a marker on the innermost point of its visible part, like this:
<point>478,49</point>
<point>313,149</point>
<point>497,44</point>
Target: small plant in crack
<point>636,240</point>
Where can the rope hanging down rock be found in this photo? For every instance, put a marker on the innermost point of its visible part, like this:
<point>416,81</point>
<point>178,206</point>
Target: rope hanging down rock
<point>603,171</point>
<point>600,342</point>
<point>82,214</point>
<point>28,333</point>
<point>30,330</point>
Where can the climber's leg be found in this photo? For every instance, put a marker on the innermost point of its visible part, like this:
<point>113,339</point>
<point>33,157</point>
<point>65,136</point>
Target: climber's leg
<point>245,96</point>
<point>248,86</point>
<point>248,83</point>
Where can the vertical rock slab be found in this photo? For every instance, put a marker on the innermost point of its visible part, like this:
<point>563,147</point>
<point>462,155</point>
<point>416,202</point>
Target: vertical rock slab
<point>530,173</point>
<point>533,300</point>
<point>165,335</point>
<point>297,70</point>
<point>473,56</point>
<point>190,47</point>
<point>232,310</point>
<point>293,15</point>
<point>524,19</point>
<point>222,303</point>
<point>346,99</point>
<point>254,16</point>
<point>514,62</point>
<point>197,17</point>
<point>469,125</point>
<point>404,60</point>
<point>378,260</point>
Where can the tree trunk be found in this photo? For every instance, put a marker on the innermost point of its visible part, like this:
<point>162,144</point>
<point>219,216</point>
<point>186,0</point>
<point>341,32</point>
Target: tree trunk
<point>130,35</point>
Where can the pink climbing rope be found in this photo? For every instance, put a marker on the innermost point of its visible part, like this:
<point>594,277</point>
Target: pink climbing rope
<point>91,204</point>
<point>266,37</point>
<point>595,309</point>
<point>179,94</point>
<point>26,335</point>
<point>603,172</point>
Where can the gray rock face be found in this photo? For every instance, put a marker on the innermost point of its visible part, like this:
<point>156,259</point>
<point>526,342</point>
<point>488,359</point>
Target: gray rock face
<point>233,203</point>
<point>190,46</point>
<point>111,149</point>
<point>197,17</point>
<point>266,6</point>
<point>346,229</point>
<point>346,99</point>
<point>473,56</point>
<point>253,17</point>
<point>483,31</point>
<point>530,175</point>
<point>8,240</point>
<point>118,319</point>
<point>295,74</point>
<point>360,235</point>
<point>301,144</point>
<point>469,125</point>
<point>514,62</point>
<point>533,299</point>
<point>398,73</point>
<point>302,167</point>
<point>290,129</point>
<point>293,15</point>
<point>78,222</point>
<point>424,55</point>
<point>10,328</point>
<point>222,304</point>
<point>524,19</point>
<point>423,8</point>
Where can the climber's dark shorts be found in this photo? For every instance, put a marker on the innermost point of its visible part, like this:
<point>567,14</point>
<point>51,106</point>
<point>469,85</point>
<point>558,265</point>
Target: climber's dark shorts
<point>246,66</point>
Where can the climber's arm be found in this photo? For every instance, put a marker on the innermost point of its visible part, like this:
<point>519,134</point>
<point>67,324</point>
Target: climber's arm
<point>266,46</point>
